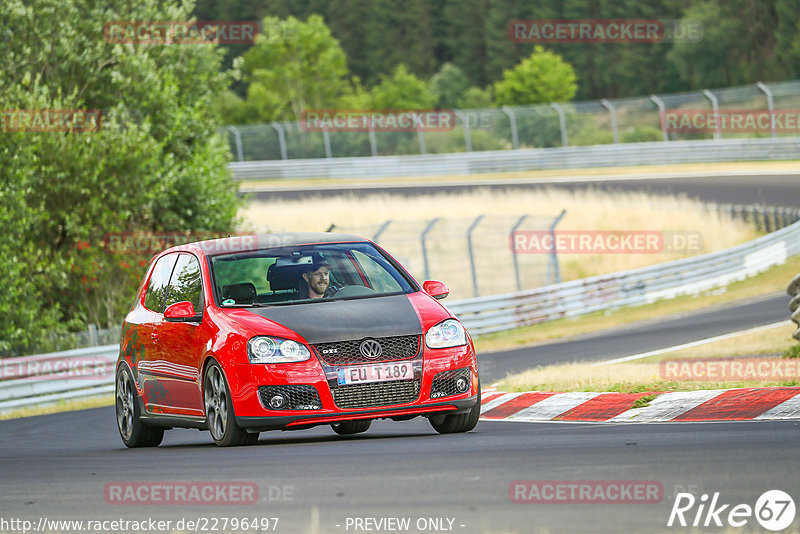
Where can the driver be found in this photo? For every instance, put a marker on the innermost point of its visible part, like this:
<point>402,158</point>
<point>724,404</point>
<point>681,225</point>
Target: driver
<point>316,282</point>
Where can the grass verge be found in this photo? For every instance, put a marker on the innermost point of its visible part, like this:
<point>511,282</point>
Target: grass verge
<point>63,406</point>
<point>401,221</point>
<point>646,375</point>
<point>769,282</point>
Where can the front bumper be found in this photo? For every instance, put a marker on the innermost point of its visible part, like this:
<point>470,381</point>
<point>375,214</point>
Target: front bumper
<point>298,422</point>
<point>251,412</point>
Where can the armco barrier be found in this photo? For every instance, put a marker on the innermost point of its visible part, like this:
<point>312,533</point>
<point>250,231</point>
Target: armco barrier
<point>527,159</point>
<point>627,288</point>
<point>794,304</point>
<point>31,381</point>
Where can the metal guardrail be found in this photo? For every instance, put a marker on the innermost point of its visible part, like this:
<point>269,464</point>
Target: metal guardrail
<point>653,153</point>
<point>45,379</point>
<point>628,288</point>
<point>34,381</point>
<point>794,304</point>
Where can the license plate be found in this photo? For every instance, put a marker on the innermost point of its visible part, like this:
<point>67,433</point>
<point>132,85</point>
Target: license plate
<point>364,374</point>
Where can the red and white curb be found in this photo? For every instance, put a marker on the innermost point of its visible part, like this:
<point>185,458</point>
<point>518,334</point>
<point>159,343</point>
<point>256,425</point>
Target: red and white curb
<point>741,404</point>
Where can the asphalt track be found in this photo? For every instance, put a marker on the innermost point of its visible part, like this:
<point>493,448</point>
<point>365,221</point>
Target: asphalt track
<point>57,466</point>
<point>777,189</point>
<point>638,338</point>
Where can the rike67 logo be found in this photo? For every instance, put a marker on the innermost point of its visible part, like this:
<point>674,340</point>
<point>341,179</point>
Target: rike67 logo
<point>774,510</point>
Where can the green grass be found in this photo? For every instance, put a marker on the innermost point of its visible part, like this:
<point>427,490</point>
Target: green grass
<point>61,406</point>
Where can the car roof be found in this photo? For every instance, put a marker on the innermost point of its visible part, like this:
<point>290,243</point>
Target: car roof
<point>250,242</point>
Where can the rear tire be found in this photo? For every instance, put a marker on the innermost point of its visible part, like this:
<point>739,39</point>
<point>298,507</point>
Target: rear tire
<point>458,422</point>
<point>133,432</point>
<point>220,419</point>
<point>351,427</point>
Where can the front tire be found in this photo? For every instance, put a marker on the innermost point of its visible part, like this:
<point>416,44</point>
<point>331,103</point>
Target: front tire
<point>351,427</point>
<point>131,429</point>
<point>220,419</point>
<point>458,422</point>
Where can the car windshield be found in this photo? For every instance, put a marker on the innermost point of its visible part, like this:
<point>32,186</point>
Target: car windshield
<point>306,273</point>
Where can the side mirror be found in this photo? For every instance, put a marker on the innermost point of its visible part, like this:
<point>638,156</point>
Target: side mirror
<point>437,290</point>
<point>182,312</point>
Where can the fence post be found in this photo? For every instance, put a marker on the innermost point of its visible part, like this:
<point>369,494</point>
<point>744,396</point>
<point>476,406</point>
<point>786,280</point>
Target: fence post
<point>465,122</point>
<point>715,107</point>
<point>326,137</point>
<point>613,113</point>
<point>662,112</point>
<point>281,139</point>
<point>383,228</point>
<point>472,255</point>
<point>514,250</point>
<point>512,121</point>
<point>767,222</point>
<point>238,137</point>
<point>562,121</point>
<point>421,138</point>
<point>373,144</point>
<point>552,262</point>
<point>424,249</point>
<point>770,106</point>
<point>92,335</point>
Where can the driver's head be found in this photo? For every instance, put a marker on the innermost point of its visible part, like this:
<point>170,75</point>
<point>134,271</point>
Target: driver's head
<point>318,279</point>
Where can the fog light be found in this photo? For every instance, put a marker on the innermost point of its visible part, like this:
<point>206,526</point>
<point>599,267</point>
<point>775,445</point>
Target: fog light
<point>462,385</point>
<point>277,402</point>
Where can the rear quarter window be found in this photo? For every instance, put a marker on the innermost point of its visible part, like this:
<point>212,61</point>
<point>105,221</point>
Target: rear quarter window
<point>159,280</point>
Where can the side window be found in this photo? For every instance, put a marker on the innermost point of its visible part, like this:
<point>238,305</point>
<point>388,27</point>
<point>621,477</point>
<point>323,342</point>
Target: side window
<point>186,283</point>
<point>154,298</point>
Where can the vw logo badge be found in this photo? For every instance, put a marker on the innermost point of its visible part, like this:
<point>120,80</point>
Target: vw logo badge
<point>370,349</point>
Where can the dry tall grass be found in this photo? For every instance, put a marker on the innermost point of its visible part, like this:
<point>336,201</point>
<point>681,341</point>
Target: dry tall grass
<point>447,243</point>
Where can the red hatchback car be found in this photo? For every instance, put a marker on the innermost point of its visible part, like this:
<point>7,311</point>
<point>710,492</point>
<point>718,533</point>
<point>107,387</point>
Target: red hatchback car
<point>289,331</point>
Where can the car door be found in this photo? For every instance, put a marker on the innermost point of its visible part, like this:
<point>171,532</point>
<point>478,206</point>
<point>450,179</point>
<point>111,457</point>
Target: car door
<point>180,348</point>
<point>149,319</point>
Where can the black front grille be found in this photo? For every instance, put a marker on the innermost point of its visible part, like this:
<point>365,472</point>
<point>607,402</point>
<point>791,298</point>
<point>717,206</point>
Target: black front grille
<point>297,397</point>
<point>347,352</point>
<point>444,383</point>
<point>376,394</point>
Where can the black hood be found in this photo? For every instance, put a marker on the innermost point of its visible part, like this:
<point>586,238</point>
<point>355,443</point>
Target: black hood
<point>327,321</point>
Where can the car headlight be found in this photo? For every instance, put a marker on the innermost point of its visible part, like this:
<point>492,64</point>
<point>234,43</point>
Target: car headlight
<point>265,349</point>
<point>448,333</point>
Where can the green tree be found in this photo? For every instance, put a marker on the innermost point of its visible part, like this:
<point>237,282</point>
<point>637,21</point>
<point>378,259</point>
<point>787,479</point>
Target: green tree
<point>294,66</point>
<point>449,85</point>
<point>156,164</point>
<point>475,97</point>
<point>738,44</point>
<point>542,77</point>
<point>787,36</point>
<point>401,90</point>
